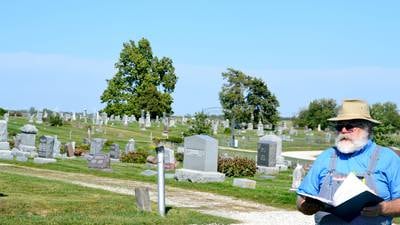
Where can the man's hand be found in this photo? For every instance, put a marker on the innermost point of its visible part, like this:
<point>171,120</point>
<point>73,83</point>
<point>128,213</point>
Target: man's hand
<point>308,206</point>
<point>375,210</point>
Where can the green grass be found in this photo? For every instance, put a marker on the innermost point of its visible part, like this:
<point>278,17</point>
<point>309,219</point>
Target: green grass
<point>33,200</point>
<point>273,192</point>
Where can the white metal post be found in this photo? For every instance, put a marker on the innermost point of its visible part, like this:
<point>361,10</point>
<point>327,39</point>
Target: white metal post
<point>161,179</point>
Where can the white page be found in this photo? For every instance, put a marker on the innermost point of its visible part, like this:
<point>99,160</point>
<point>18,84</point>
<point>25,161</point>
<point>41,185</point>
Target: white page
<point>351,186</point>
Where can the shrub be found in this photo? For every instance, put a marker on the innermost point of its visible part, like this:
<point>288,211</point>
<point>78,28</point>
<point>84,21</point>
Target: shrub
<point>55,121</point>
<point>179,156</point>
<point>135,157</point>
<point>237,167</point>
<point>175,139</point>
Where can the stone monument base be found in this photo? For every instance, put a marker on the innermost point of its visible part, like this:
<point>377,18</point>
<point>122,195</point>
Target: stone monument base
<point>268,170</point>
<point>39,160</point>
<point>27,148</point>
<point>6,154</point>
<point>198,176</point>
<point>4,145</point>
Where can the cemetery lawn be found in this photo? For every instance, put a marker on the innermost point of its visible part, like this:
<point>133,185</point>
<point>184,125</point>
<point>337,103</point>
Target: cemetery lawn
<point>273,192</point>
<point>30,200</point>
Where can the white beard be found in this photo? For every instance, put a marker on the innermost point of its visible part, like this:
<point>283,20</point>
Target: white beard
<point>346,145</point>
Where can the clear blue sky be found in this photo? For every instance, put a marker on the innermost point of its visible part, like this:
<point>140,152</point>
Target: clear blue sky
<point>58,54</point>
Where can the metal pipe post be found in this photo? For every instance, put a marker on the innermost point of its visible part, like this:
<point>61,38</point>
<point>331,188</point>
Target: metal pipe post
<point>161,179</point>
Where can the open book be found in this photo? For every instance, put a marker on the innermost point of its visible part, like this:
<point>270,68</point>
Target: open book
<point>349,199</point>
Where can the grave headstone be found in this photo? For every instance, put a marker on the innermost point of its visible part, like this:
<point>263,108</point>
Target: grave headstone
<point>148,121</point>
<point>266,153</point>
<point>114,151</point>
<point>46,146</point>
<point>130,146</point>
<point>142,196</point>
<point>298,174</point>
<point>169,159</point>
<point>99,161</point>
<point>26,139</point>
<point>200,160</point>
<point>4,144</point>
<point>96,145</point>
<point>260,129</point>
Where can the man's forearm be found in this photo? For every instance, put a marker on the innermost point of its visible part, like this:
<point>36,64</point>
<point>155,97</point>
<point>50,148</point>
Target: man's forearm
<point>391,208</point>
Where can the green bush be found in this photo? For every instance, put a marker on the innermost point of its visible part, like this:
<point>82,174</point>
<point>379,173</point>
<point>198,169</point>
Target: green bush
<point>134,157</point>
<point>55,121</point>
<point>2,111</point>
<point>179,156</point>
<point>175,139</point>
<point>237,167</point>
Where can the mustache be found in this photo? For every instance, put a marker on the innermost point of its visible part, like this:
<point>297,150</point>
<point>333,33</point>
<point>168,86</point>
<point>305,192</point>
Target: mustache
<point>341,137</point>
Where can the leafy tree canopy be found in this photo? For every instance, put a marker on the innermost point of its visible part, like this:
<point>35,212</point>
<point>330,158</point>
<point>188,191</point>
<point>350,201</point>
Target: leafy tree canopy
<point>244,97</point>
<point>199,125</point>
<point>142,82</point>
<point>318,112</point>
<point>389,117</point>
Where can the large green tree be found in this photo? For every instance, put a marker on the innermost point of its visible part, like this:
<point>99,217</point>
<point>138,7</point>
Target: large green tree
<point>242,96</point>
<point>318,112</point>
<point>389,117</point>
<point>142,82</point>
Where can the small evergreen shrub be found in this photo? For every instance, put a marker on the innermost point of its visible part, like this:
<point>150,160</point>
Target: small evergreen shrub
<point>237,167</point>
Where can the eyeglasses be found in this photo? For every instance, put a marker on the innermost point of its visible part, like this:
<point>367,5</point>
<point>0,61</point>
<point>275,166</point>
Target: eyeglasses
<point>348,126</point>
<point>339,127</point>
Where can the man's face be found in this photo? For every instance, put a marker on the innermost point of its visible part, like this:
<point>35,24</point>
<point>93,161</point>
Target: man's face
<point>352,136</point>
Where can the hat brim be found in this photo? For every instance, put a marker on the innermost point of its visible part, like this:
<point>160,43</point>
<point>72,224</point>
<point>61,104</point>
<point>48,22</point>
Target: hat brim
<point>353,118</point>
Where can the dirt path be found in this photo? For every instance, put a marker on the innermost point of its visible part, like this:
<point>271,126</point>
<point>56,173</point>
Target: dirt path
<point>244,211</point>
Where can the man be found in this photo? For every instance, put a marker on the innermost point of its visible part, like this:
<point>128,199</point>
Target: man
<point>354,151</point>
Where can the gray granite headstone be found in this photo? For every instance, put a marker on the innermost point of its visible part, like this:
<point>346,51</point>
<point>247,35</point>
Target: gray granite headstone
<point>99,161</point>
<point>46,146</point>
<point>201,153</point>
<point>27,138</point>
<point>130,146</point>
<point>114,151</point>
<point>4,145</point>
<point>96,145</point>
<point>266,153</point>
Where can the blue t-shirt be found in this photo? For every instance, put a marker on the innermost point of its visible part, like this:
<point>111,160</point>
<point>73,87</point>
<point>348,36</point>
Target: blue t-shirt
<point>386,173</point>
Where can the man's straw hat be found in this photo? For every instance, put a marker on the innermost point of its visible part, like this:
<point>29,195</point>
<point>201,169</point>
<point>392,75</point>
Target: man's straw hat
<point>353,109</point>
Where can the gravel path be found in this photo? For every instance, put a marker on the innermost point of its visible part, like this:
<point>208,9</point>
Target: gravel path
<point>246,212</point>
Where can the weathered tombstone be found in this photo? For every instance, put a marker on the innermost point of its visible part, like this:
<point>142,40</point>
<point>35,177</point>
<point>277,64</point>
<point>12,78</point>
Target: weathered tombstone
<point>46,146</point>
<point>165,125</point>
<point>5,152</point>
<point>125,120</point>
<point>39,118</point>
<point>244,183</point>
<point>260,128</point>
<point>200,160</point>
<point>96,145</point>
<point>4,144</point>
<point>143,199</point>
<point>114,151</point>
<point>142,121</point>
<point>169,159</point>
<point>298,174</point>
<point>27,138</point>
<point>99,161</point>
<point>148,121</point>
<point>70,149</point>
<point>130,146</point>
